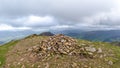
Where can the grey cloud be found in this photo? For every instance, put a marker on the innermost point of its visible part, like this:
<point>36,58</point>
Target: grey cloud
<point>65,12</point>
<point>59,8</point>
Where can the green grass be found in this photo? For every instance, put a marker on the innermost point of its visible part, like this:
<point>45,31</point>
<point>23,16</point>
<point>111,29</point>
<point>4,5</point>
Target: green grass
<point>107,49</point>
<point>3,51</point>
<point>112,52</point>
<point>111,49</point>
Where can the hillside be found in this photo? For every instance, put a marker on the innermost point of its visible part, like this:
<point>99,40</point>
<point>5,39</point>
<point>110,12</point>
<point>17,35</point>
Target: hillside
<point>58,51</point>
<point>105,36</point>
<point>4,50</point>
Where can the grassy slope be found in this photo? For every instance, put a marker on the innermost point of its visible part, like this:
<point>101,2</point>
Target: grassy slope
<point>113,50</point>
<point>108,49</point>
<point>4,49</point>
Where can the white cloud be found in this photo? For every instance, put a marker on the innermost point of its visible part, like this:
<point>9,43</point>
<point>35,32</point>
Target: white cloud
<point>37,20</point>
<point>4,27</point>
<point>33,20</point>
<point>57,27</point>
<point>102,21</point>
<point>60,14</point>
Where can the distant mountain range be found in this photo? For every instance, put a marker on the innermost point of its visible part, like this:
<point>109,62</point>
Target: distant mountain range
<point>106,35</point>
<point>7,36</point>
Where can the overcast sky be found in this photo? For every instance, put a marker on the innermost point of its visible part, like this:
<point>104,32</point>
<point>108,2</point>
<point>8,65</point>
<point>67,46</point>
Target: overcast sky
<point>42,15</point>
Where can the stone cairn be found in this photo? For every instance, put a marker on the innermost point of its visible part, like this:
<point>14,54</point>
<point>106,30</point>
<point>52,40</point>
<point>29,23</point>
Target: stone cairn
<point>59,45</point>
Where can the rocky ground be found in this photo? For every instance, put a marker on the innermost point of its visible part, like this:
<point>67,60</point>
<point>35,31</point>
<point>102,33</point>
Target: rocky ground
<point>58,51</point>
<point>62,45</point>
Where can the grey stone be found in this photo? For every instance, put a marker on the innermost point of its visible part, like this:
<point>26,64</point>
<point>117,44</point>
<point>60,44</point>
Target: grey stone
<point>91,49</point>
<point>99,50</point>
<point>110,62</point>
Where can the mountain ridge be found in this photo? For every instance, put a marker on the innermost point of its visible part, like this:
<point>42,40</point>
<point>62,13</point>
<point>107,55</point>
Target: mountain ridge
<point>105,36</point>
<point>57,51</point>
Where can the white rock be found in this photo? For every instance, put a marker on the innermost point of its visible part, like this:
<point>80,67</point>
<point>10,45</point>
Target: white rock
<point>110,63</point>
<point>99,50</point>
<point>23,66</point>
<point>91,49</point>
<point>49,48</point>
<point>21,59</point>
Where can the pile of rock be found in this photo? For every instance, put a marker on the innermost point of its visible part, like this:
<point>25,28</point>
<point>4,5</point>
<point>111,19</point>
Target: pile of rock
<point>62,45</point>
<point>58,44</point>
